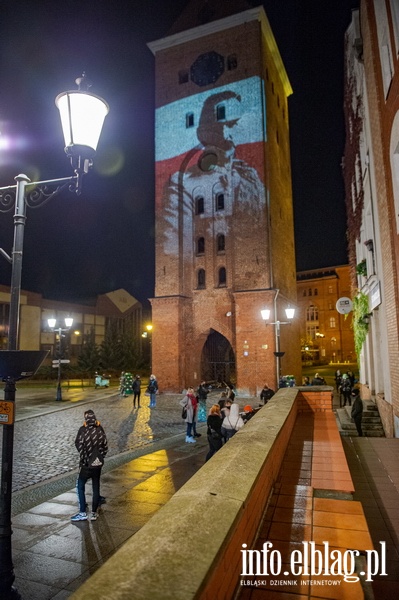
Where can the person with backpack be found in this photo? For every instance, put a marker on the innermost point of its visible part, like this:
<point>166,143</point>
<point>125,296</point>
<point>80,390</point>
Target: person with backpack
<point>152,390</point>
<point>91,443</point>
<point>346,389</point>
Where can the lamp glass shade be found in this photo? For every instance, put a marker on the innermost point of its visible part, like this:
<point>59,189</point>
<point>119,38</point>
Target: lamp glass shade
<point>265,314</point>
<point>290,312</point>
<point>82,118</point>
<point>68,321</point>
<point>51,323</point>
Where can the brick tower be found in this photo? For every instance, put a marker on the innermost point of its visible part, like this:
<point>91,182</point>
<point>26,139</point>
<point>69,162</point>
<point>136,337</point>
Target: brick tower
<point>224,218</point>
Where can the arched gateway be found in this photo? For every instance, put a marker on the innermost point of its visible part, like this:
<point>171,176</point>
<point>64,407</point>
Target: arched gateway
<point>217,359</point>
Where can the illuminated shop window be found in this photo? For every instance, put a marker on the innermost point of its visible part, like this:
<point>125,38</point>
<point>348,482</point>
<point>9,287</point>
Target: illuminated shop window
<point>221,112</point>
<point>199,205</point>
<point>189,120</point>
<point>232,62</point>
<point>222,277</point>
<point>220,242</point>
<point>183,76</point>
<point>220,202</point>
<point>201,279</point>
<point>201,245</point>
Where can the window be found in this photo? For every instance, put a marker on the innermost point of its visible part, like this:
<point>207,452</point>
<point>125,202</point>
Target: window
<point>316,292</point>
<point>312,313</point>
<point>189,120</point>
<point>183,76</point>
<point>220,242</point>
<point>310,292</point>
<point>221,112</point>
<point>222,277</point>
<point>312,331</point>
<point>201,245</point>
<point>304,293</point>
<point>199,205</point>
<point>220,201</point>
<point>232,62</point>
<point>332,322</point>
<point>330,289</point>
<point>201,279</point>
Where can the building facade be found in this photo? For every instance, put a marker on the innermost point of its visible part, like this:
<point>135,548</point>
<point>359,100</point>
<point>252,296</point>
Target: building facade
<point>118,309</point>
<point>224,216</point>
<point>371,172</point>
<point>326,334</point>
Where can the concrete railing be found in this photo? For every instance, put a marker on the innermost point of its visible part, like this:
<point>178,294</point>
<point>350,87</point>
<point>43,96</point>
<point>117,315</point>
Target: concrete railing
<point>190,549</point>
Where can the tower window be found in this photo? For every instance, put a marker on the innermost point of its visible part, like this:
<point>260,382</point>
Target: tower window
<point>220,242</point>
<point>221,112</point>
<point>201,245</point>
<point>232,62</point>
<point>199,205</point>
<point>222,277</point>
<point>189,120</point>
<point>201,279</point>
<point>183,76</point>
<point>310,292</point>
<point>220,202</point>
<point>316,292</point>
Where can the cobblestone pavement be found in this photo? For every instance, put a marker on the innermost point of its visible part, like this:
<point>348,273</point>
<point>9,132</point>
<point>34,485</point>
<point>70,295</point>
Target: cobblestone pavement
<point>44,445</point>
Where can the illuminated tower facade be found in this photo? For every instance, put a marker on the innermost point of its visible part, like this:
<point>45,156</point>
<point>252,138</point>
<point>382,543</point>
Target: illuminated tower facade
<point>224,217</point>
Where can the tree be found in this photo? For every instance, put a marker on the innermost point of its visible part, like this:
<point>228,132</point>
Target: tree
<point>89,358</point>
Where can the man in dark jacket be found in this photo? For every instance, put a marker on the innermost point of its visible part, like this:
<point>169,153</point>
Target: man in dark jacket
<point>357,410</point>
<point>91,443</point>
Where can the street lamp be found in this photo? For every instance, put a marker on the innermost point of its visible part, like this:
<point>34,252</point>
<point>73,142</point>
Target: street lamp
<point>59,361</point>
<point>82,116</point>
<point>148,335</point>
<point>289,313</point>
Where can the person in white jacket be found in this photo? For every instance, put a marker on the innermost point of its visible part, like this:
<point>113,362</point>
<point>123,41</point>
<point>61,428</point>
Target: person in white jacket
<point>232,422</point>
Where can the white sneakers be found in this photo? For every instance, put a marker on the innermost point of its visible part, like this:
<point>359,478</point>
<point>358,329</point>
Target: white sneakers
<point>190,439</point>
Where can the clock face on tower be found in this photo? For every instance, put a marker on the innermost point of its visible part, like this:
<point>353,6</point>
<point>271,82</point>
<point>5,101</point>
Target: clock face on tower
<point>207,68</point>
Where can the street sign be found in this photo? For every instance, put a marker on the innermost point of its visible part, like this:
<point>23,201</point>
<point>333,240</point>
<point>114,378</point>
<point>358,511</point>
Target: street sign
<point>63,361</point>
<point>344,305</point>
<point>6,413</point>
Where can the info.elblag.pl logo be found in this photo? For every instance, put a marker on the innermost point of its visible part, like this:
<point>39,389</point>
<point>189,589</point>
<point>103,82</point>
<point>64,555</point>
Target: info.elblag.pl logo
<point>310,561</point>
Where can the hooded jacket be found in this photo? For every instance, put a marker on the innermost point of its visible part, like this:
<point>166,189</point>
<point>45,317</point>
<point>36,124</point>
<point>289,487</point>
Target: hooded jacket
<point>90,436</point>
<point>233,420</point>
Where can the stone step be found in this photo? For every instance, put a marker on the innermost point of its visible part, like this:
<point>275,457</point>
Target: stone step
<point>371,426</point>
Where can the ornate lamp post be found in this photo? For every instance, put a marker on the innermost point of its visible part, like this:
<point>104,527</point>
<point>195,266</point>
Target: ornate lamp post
<point>290,313</point>
<point>59,330</point>
<point>82,116</point>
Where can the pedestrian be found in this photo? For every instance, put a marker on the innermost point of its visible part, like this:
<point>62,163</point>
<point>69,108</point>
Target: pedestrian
<point>266,394</point>
<point>346,389</point>
<point>357,410</point>
<point>232,423</point>
<point>248,413</point>
<point>306,381</point>
<point>136,391</point>
<point>152,390</point>
<point>202,394</point>
<point>222,399</point>
<point>338,379</point>
<point>214,434</point>
<point>230,392</point>
<point>318,380</point>
<point>91,443</point>
<point>190,402</point>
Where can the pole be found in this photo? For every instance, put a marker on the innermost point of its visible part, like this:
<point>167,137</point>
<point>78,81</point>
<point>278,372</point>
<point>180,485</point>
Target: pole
<point>278,364</point>
<point>7,576</point>
<point>59,392</point>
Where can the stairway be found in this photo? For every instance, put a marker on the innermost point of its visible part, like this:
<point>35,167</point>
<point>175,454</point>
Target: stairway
<point>371,423</point>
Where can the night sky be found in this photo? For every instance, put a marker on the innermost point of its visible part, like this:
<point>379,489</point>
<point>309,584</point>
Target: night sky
<point>78,247</point>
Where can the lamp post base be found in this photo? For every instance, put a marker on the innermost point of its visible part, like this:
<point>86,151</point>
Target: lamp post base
<point>59,393</point>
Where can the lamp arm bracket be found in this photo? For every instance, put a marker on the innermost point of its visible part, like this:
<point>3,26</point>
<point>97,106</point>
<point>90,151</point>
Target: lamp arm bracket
<point>5,255</point>
<point>46,190</point>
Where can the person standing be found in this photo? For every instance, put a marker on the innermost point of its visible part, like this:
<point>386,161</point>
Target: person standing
<point>190,402</point>
<point>346,389</point>
<point>202,394</point>
<point>357,411</point>
<point>91,443</point>
<point>136,391</point>
<point>152,389</point>
<point>214,434</point>
<point>266,394</point>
